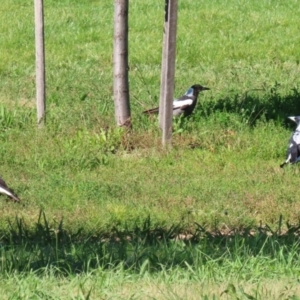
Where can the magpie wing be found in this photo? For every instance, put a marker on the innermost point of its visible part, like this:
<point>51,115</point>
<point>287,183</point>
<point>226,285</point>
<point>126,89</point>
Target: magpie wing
<point>293,152</point>
<point>296,138</point>
<point>182,103</point>
<point>184,97</point>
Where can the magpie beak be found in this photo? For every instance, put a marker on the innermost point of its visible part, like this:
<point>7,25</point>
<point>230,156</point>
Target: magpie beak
<point>293,151</point>
<point>185,104</point>
<point>4,189</point>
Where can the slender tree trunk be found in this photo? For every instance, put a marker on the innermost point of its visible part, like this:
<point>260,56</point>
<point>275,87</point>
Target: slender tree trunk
<point>40,61</point>
<point>121,84</point>
<point>168,71</point>
<point>163,68</point>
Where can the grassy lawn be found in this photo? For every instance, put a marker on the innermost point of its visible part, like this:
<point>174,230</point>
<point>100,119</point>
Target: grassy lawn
<point>101,206</point>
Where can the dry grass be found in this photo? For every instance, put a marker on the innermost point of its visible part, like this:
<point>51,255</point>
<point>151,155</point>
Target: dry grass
<point>148,288</point>
<point>264,290</point>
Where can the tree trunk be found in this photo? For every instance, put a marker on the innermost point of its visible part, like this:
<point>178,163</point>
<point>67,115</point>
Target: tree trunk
<point>168,71</point>
<point>40,61</point>
<point>121,84</point>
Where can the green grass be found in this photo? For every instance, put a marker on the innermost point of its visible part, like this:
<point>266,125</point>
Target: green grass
<point>77,176</point>
<point>104,286</point>
<point>116,285</point>
<point>104,190</point>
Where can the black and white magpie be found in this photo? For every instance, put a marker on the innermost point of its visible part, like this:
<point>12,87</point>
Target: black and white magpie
<point>4,189</point>
<point>185,104</point>
<point>293,151</point>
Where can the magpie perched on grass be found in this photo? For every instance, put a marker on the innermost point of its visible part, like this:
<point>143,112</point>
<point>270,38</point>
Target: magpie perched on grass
<point>4,189</point>
<point>293,151</point>
<point>184,105</point>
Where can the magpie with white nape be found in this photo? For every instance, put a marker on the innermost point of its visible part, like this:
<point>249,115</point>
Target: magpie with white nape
<point>293,151</point>
<point>185,104</point>
<point>4,189</point>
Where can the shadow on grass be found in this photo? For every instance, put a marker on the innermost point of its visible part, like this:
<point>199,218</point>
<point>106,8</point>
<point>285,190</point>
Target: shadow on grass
<point>251,106</point>
<point>146,246</point>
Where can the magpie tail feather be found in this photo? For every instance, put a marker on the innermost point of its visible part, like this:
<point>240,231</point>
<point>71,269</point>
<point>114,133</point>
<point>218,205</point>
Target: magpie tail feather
<point>151,111</point>
<point>4,189</point>
<point>282,165</point>
<point>14,197</point>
